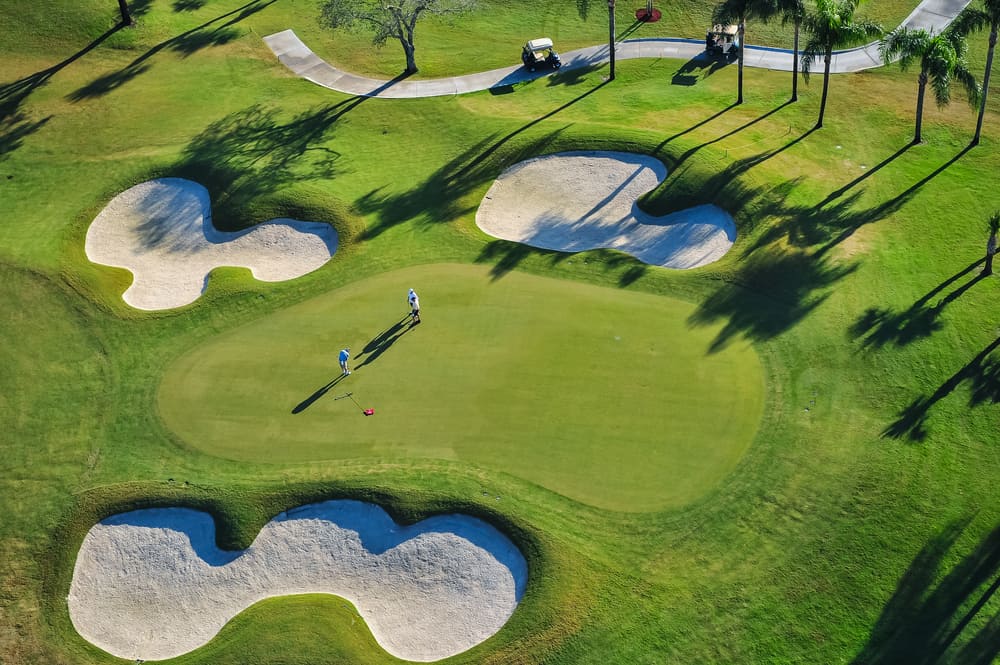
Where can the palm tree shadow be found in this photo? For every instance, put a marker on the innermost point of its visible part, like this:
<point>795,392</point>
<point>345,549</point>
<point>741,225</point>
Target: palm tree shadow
<point>699,67</point>
<point>881,326</point>
<point>15,125</point>
<point>186,43</point>
<point>322,390</point>
<point>983,375</point>
<point>832,223</point>
<point>927,614</point>
<point>438,199</point>
<point>840,191</point>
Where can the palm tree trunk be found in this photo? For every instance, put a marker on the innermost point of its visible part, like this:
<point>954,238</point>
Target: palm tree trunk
<point>991,250</point>
<point>986,83</point>
<point>921,88</point>
<point>123,8</point>
<point>826,85</point>
<point>795,63</point>
<point>611,38</point>
<point>739,54</point>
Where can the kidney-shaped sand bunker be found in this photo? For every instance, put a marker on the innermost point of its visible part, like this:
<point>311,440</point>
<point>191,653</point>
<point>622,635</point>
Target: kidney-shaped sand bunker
<point>161,230</point>
<point>576,201</point>
<point>152,584</point>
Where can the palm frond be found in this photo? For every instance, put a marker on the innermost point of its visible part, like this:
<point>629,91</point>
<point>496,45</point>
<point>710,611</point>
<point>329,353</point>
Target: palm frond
<point>973,91</point>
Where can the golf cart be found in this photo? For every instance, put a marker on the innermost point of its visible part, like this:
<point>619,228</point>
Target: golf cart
<point>723,40</point>
<point>539,53</point>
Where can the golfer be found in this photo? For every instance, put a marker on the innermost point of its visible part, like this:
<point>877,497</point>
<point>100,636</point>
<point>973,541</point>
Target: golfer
<point>345,355</point>
<point>414,301</point>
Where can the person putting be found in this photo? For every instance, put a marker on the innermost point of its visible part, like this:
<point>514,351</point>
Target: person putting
<point>414,302</point>
<point>345,355</point>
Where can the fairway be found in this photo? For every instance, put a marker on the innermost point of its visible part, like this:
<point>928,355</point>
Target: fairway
<point>585,452</point>
<point>608,397</point>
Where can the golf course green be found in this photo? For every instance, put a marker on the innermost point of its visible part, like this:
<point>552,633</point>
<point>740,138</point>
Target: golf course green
<point>610,398</point>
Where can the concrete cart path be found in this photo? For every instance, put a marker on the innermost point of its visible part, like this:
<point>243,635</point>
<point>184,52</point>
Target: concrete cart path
<point>294,54</point>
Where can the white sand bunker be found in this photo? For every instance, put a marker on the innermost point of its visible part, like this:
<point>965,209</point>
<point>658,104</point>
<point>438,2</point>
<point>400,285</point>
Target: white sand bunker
<point>161,230</point>
<point>575,201</point>
<point>152,584</point>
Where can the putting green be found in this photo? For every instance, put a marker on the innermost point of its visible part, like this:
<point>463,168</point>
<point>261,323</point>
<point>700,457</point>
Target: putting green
<point>606,396</point>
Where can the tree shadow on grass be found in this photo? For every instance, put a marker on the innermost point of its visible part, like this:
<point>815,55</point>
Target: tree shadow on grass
<point>880,326</point>
<point>210,33</point>
<point>830,224</point>
<point>15,125</point>
<point>699,67</point>
<point>983,375</point>
<point>923,621</point>
<point>768,296</point>
<point>187,5</point>
<point>438,199</point>
<point>255,152</point>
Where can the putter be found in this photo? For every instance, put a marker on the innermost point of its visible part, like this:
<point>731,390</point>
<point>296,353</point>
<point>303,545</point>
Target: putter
<point>367,412</point>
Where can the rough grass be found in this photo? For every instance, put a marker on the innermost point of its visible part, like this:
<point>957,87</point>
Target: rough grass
<point>860,526</point>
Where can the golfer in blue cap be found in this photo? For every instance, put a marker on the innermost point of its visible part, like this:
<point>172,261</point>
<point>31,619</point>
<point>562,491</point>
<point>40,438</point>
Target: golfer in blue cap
<point>345,355</point>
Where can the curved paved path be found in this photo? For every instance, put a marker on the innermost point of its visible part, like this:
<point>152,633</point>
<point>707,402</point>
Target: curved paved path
<point>294,54</point>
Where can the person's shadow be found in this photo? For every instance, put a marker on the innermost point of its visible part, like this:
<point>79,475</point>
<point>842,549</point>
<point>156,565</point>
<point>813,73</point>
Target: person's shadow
<point>379,344</point>
<point>308,401</point>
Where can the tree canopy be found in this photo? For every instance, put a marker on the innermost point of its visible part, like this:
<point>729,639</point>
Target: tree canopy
<point>388,19</point>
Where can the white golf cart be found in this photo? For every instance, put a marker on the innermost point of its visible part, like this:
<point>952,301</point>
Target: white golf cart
<point>539,53</point>
<point>723,40</point>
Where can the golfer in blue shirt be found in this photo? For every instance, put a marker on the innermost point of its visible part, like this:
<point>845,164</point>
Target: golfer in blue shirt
<point>345,354</point>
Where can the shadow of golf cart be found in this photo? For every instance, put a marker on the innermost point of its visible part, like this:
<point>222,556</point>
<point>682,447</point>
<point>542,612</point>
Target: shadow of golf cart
<point>723,41</point>
<point>539,53</point>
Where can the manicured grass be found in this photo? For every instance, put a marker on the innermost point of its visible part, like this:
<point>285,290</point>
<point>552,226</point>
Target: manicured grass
<point>858,527</point>
<point>511,375</point>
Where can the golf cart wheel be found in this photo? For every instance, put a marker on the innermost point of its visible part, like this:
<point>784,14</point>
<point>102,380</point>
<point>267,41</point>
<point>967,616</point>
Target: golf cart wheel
<point>558,65</point>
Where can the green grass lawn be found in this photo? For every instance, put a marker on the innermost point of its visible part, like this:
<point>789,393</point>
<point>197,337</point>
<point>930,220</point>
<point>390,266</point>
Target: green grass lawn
<point>610,398</point>
<point>858,525</point>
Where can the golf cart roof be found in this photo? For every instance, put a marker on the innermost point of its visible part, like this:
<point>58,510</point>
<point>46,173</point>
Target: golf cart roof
<point>725,29</point>
<point>540,44</point>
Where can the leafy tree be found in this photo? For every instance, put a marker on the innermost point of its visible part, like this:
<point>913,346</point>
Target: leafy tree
<point>991,244</point>
<point>977,19</point>
<point>388,18</point>
<point>738,11</point>
<point>942,58</point>
<point>831,25</point>
<point>123,8</point>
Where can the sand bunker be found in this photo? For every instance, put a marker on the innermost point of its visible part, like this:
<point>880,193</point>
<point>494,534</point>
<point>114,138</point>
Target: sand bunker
<point>152,584</point>
<point>161,230</point>
<point>576,201</point>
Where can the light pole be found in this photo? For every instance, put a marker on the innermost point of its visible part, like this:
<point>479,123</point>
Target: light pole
<point>611,36</point>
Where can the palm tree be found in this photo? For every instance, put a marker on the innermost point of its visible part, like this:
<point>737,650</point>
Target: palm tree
<point>977,19</point>
<point>991,244</point>
<point>832,25</point>
<point>794,11</point>
<point>942,57</point>
<point>738,11</point>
